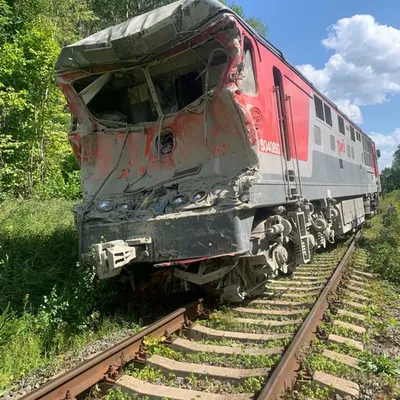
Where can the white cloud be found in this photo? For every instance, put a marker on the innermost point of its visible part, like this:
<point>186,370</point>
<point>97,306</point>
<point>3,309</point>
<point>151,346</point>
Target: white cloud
<point>365,68</point>
<point>363,42</point>
<point>385,160</point>
<point>387,144</point>
<point>317,76</point>
<point>386,141</point>
<point>352,110</point>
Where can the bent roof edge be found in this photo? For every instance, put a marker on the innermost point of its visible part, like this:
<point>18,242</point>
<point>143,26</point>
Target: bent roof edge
<point>137,37</point>
<point>146,33</point>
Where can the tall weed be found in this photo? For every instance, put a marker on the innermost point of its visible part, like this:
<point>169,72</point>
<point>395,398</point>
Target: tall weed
<point>383,240</point>
<point>48,303</point>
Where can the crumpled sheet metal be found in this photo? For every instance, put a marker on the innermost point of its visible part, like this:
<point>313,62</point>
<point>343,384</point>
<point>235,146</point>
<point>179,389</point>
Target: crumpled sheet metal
<point>136,38</point>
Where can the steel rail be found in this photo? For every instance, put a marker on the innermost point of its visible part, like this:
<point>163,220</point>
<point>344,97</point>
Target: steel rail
<point>92,371</point>
<point>285,373</point>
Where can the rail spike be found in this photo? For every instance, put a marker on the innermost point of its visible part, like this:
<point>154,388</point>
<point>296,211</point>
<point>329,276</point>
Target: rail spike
<point>142,354</point>
<point>187,324</point>
<point>168,337</point>
<point>68,396</point>
<point>204,314</point>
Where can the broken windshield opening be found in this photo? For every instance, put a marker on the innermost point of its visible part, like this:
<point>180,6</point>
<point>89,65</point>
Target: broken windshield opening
<point>181,79</point>
<point>124,96</point>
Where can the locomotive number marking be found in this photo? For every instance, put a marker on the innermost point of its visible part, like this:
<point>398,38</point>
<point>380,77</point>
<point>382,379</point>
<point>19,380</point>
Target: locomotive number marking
<point>267,146</point>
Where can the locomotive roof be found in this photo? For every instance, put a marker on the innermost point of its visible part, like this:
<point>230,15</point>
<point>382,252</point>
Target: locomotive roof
<point>136,38</point>
<point>140,36</point>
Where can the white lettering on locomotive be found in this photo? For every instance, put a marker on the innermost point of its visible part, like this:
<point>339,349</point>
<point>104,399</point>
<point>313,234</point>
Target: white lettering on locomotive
<point>267,146</point>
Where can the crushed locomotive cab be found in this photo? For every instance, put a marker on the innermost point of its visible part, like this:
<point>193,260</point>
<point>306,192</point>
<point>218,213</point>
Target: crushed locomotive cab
<point>198,147</point>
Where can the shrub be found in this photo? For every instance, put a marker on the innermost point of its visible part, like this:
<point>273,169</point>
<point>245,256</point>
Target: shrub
<point>384,243</point>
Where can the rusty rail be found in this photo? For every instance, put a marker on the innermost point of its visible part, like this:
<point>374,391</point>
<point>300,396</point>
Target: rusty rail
<point>105,364</point>
<point>285,373</point>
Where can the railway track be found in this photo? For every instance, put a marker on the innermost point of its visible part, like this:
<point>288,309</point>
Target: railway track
<point>249,351</point>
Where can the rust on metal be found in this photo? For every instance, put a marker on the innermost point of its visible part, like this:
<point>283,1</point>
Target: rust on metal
<point>205,314</point>
<point>87,374</point>
<point>187,324</point>
<point>285,374</point>
<point>111,375</point>
<point>142,354</point>
<point>68,395</point>
<point>168,337</point>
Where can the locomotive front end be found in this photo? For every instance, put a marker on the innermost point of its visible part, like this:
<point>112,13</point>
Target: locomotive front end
<point>164,147</point>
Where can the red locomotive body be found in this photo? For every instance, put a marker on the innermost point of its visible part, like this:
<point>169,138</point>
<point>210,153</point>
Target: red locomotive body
<point>202,148</point>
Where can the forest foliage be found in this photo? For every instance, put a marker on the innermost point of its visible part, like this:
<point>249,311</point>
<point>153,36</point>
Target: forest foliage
<point>383,239</point>
<point>390,176</point>
<point>35,157</point>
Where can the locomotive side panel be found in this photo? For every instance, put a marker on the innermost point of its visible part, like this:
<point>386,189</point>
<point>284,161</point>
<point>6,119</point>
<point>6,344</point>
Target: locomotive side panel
<point>338,158</point>
<point>330,163</point>
<point>270,110</point>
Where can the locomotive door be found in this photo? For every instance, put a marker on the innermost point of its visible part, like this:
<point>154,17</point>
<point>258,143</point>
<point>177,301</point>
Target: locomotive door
<point>291,171</point>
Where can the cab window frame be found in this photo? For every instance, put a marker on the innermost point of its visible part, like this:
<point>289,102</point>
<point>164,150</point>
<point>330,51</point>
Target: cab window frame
<point>248,45</point>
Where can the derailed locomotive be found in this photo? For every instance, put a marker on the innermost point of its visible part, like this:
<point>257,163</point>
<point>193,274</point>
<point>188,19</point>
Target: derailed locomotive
<point>204,153</point>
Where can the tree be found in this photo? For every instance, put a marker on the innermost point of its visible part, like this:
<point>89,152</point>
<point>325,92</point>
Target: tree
<point>257,23</point>
<point>390,177</point>
<point>396,159</point>
<point>4,20</point>
<point>33,122</point>
<point>112,12</point>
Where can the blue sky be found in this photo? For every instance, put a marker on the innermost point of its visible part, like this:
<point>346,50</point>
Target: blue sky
<point>350,50</point>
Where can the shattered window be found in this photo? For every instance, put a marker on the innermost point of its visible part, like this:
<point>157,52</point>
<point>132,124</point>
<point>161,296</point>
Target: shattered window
<point>249,79</point>
<point>182,79</point>
<point>124,96</point>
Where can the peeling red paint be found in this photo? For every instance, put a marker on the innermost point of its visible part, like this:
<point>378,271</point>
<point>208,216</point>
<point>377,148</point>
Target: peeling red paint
<point>76,144</point>
<point>124,174</point>
<point>236,120</point>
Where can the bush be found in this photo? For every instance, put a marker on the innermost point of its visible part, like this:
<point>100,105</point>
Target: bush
<point>384,243</point>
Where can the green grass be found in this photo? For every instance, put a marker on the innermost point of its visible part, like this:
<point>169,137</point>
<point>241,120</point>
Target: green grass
<point>118,394</point>
<point>155,346</point>
<point>196,382</point>
<point>310,391</point>
<point>382,240</point>
<point>269,344</point>
<point>48,304</point>
<point>225,320</point>
<point>38,249</point>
